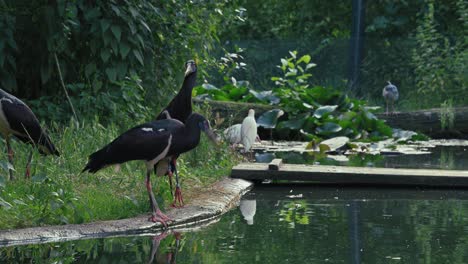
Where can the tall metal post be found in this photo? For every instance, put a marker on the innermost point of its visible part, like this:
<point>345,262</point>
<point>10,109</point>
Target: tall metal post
<point>356,44</point>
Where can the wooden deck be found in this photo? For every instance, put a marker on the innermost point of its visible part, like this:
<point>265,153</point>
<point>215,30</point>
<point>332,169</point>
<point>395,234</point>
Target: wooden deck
<point>342,175</point>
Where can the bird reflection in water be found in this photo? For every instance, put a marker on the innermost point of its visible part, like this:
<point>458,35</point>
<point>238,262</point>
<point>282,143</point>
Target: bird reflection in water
<point>170,253</point>
<point>248,207</point>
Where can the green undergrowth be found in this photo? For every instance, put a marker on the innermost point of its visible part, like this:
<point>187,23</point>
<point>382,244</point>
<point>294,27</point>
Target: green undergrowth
<point>58,193</point>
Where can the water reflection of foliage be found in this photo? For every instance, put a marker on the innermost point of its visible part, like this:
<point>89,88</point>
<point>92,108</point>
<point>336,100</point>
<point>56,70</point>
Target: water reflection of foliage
<point>294,212</point>
<point>414,231</point>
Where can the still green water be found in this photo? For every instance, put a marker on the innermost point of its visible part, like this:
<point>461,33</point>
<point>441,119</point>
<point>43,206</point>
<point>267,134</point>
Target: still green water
<point>295,224</point>
<point>303,224</point>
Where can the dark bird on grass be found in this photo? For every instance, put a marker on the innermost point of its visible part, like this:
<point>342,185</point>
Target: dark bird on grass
<point>152,142</point>
<point>181,105</point>
<point>17,119</point>
<point>179,108</point>
<point>390,94</point>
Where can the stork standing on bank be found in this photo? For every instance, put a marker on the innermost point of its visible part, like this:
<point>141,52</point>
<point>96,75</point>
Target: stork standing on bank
<point>179,108</point>
<point>249,131</point>
<point>17,119</point>
<point>152,142</point>
<point>390,94</point>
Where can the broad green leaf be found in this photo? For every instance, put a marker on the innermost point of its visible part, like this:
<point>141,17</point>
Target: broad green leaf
<point>105,55</point>
<point>324,110</point>
<point>284,62</point>
<point>111,74</point>
<point>138,56</point>
<point>269,118</point>
<point>293,54</point>
<point>328,128</point>
<point>293,124</point>
<point>124,49</point>
<point>90,69</point>
<point>310,65</point>
<point>208,86</point>
<point>117,32</point>
<point>305,58</point>
<point>105,24</point>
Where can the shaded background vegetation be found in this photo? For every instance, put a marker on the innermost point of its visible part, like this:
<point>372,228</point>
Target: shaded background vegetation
<point>128,55</point>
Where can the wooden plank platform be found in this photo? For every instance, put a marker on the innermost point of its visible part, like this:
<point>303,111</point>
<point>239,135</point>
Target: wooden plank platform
<point>343,175</point>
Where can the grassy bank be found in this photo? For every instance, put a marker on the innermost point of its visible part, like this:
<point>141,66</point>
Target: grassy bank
<point>58,194</point>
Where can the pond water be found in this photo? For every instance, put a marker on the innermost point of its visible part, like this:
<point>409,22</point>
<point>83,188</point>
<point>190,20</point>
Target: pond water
<point>440,157</point>
<point>295,224</point>
<point>301,224</point>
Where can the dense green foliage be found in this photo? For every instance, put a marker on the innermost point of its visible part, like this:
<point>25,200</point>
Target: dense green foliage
<point>421,46</point>
<point>99,45</point>
<point>317,112</point>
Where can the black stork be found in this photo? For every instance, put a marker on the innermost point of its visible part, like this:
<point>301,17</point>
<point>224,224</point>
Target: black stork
<point>179,108</point>
<point>152,142</point>
<point>17,119</point>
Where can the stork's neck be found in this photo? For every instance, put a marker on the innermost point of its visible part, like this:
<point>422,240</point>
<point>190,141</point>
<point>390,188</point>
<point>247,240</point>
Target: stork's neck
<point>192,133</point>
<point>189,83</point>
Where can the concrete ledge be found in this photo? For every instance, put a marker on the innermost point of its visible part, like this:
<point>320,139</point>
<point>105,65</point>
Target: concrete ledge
<point>204,208</point>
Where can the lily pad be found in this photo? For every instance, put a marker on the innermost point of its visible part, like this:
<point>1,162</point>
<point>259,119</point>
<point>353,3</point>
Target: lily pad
<point>269,118</point>
<point>324,110</point>
<point>328,128</point>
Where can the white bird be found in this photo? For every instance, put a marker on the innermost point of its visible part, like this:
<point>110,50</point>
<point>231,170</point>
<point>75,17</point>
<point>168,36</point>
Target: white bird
<point>390,94</point>
<point>249,131</point>
<point>233,134</point>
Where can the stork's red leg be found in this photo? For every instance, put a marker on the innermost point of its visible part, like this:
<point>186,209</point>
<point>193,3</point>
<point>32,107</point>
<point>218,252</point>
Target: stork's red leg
<point>157,215</point>
<point>28,166</point>
<point>170,174</point>
<point>10,157</point>
<point>178,199</point>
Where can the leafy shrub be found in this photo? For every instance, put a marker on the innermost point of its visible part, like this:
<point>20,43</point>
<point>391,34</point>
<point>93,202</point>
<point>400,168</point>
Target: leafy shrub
<point>316,111</point>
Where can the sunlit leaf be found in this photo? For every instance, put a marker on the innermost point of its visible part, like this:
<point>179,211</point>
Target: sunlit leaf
<point>324,110</point>
<point>328,128</point>
<point>305,58</point>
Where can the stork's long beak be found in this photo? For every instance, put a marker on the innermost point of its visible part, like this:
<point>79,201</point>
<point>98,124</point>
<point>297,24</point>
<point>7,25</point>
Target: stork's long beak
<point>211,135</point>
<point>191,67</point>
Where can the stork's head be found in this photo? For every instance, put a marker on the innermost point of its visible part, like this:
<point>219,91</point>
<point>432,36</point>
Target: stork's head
<point>251,113</point>
<point>190,67</point>
<point>203,125</point>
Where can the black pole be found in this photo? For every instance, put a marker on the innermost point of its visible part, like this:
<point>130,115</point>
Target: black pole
<point>356,44</point>
<point>354,223</point>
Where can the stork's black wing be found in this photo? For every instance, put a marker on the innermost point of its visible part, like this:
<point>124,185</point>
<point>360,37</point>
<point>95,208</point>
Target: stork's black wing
<point>25,125</point>
<point>144,142</point>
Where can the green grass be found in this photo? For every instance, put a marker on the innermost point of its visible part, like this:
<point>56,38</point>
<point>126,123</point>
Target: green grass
<point>58,193</point>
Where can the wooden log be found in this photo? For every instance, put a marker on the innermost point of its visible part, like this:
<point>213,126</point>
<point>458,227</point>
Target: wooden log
<point>275,164</point>
<point>233,112</point>
<point>436,123</point>
<point>342,175</point>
